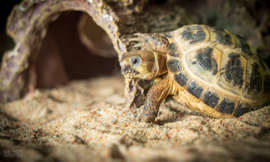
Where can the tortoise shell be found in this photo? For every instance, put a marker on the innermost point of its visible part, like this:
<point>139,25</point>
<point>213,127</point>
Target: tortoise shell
<point>219,73</point>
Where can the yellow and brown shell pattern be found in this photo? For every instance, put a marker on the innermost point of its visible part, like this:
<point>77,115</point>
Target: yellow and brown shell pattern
<point>222,70</point>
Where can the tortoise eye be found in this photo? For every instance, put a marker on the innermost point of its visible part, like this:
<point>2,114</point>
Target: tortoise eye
<point>135,60</point>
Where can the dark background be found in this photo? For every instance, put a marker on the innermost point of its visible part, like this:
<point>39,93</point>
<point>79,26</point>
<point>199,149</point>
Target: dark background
<point>5,41</point>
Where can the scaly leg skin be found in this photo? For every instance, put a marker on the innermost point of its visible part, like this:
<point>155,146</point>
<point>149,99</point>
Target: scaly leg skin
<point>156,94</point>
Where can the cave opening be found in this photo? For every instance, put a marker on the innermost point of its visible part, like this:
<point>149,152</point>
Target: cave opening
<point>74,48</point>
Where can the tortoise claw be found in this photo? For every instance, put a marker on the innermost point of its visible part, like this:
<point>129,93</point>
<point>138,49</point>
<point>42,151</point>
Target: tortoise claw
<point>137,39</point>
<point>137,45</point>
<point>139,34</point>
<point>134,39</point>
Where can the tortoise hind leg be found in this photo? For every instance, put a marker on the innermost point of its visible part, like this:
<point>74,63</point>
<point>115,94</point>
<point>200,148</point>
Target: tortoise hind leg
<point>156,94</point>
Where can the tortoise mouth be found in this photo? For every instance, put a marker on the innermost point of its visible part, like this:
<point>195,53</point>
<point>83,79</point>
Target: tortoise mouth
<point>128,72</point>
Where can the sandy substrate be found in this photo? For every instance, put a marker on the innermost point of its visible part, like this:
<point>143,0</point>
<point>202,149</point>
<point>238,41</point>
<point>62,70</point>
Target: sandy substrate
<point>86,121</point>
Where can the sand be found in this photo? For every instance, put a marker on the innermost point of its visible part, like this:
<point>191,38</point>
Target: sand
<point>87,120</point>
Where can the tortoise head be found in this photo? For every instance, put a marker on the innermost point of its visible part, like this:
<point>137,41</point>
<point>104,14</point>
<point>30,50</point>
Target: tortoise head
<point>142,64</point>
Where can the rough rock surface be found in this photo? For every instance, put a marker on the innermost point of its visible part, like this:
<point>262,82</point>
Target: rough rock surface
<point>86,121</point>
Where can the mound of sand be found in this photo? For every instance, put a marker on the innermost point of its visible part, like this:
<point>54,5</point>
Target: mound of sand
<point>86,121</point>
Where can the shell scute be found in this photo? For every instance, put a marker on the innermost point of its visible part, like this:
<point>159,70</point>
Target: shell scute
<point>204,62</point>
<point>174,65</point>
<point>206,59</point>
<point>226,106</point>
<point>210,99</point>
<point>234,71</point>
<point>173,50</point>
<point>255,78</point>
<point>244,46</point>
<point>181,78</point>
<point>194,89</point>
<point>241,109</point>
<point>254,81</point>
<point>223,36</point>
<point>192,36</point>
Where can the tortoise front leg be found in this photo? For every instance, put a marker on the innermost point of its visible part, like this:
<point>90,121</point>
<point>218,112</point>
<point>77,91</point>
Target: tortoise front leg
<point>156,94</point>
<point>154,42</point>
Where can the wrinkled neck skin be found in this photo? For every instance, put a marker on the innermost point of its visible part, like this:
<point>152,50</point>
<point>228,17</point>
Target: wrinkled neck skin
<point>161,64</point>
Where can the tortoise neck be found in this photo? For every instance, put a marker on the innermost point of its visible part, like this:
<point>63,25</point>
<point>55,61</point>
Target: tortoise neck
<point>161,63</point>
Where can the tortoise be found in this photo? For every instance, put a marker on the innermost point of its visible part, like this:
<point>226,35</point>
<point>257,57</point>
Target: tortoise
<point>209,69</point>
